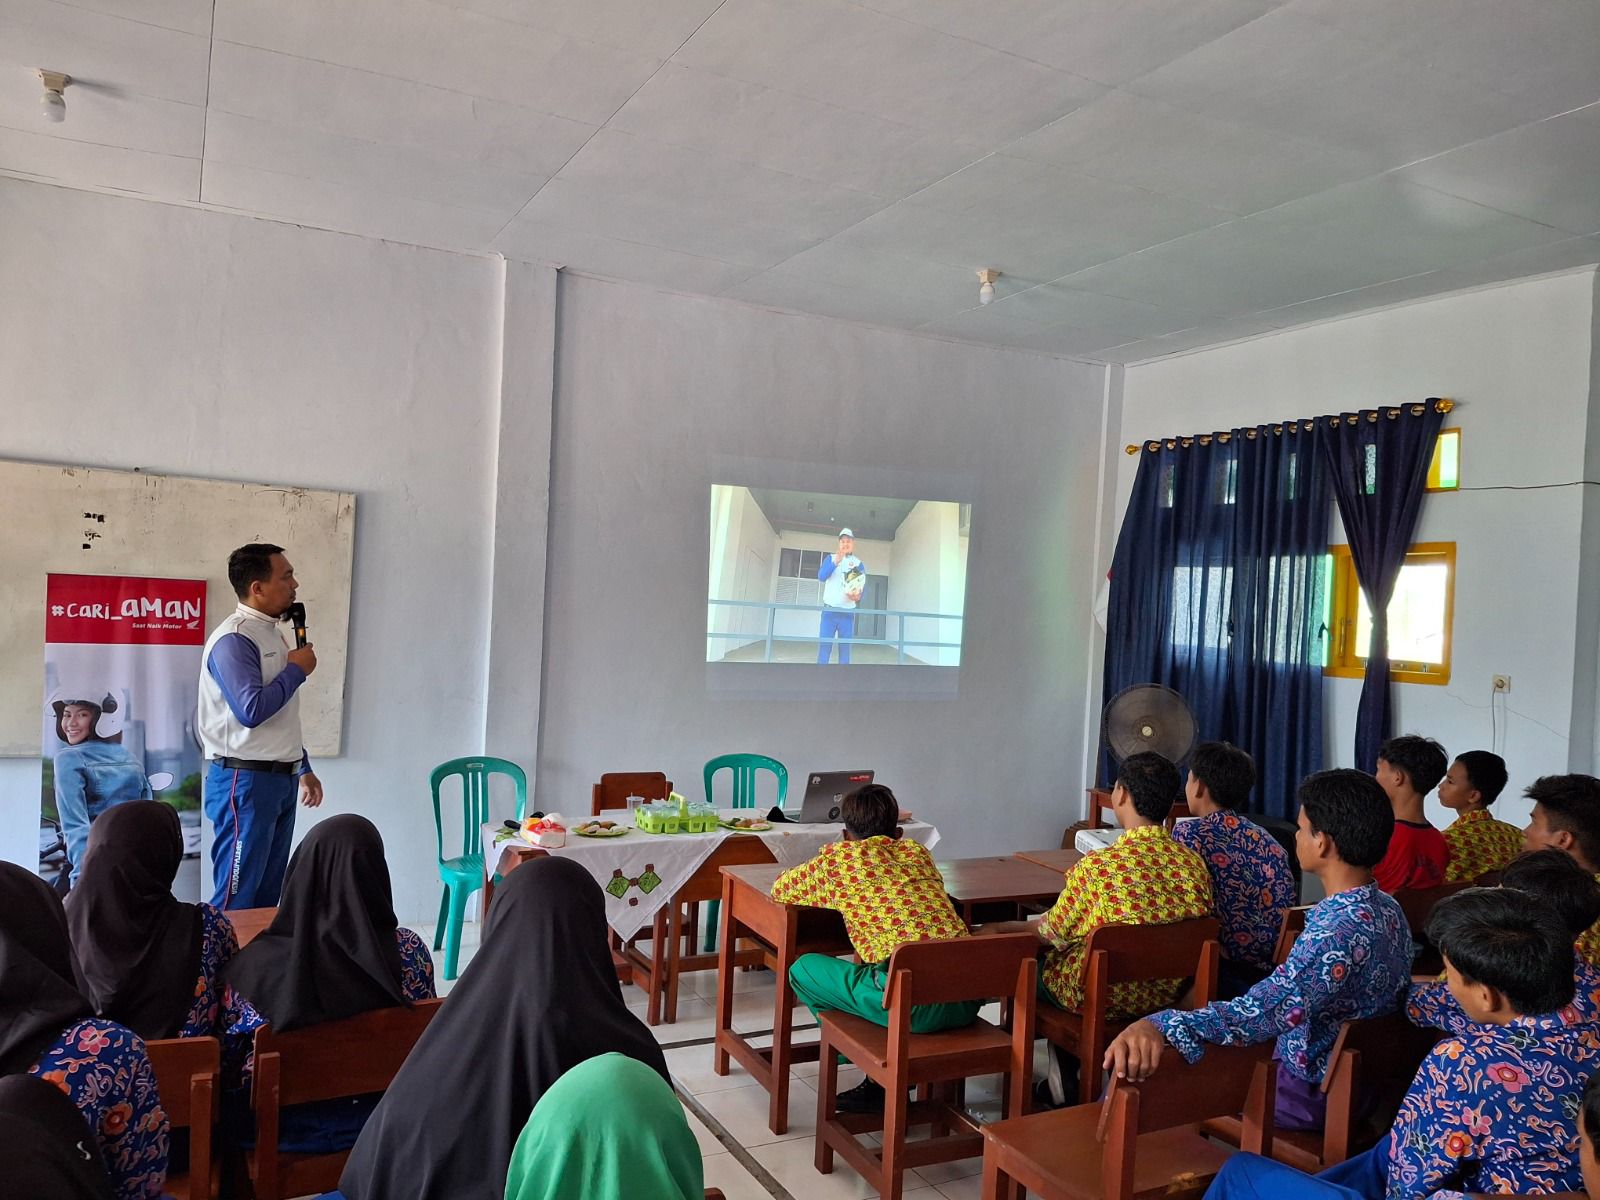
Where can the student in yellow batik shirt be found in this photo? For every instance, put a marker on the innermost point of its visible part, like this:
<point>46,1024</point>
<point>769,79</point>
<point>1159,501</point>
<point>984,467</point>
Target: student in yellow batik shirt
<point>1478,843</point>
<point>889,893</point>
<point>1143,878</point>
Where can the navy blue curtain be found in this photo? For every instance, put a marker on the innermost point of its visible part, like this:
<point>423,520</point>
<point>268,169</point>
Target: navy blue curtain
<point>1378,468</point>
<point>1217,592</point>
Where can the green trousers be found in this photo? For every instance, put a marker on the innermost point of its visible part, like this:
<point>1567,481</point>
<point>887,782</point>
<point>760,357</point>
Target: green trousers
<point>823,983</point>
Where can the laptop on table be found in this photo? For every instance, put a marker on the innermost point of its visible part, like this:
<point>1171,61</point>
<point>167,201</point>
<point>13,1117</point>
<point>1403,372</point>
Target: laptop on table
<point>825,793</point>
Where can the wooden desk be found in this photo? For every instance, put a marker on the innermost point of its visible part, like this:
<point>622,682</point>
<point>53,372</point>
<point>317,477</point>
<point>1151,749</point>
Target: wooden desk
<point>1057,860</point>
<point>248,922</point>
<point>971,882</point>
<point>785,932</point>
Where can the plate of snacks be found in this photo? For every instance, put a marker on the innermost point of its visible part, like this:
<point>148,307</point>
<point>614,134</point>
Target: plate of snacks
<point>600,829</point>
<point>745,824</point>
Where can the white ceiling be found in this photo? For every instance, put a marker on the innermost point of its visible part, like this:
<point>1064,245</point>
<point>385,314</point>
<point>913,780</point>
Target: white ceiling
<point>1150,175</point>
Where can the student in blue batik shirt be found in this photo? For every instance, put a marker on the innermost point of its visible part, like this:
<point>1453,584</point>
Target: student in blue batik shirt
<point>92,770</point>
<point>844,578</point>
<point>334,950</point>
<point>49,1030</point>
<point>1250,876</point>
<point>1493,1109</point>
<point>1352,961</point>
<point>1567,890</point>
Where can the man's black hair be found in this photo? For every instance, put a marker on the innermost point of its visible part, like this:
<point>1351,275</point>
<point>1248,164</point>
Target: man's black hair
<point>870,811</point>
<point>1558,882</point>
<point>1486,773</point>
<point>1591,1113</point>
<point>251,564</point>
<point>1572,803</point>
<point>1153,783</point>
<point>1422,760</point>
<point>1352,808</point>
<point>1509,941</point>
<point>1227,772</point>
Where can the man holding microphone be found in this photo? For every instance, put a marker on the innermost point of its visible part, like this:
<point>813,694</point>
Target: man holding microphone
<point>844,577</point>
<point>249,724</point>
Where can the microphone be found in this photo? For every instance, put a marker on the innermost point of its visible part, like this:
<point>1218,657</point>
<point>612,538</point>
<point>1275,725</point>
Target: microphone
<point>296,615</point>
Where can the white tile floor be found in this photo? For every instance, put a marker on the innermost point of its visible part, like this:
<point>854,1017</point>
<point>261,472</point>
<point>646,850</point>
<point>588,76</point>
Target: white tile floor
<point>738,1105</point>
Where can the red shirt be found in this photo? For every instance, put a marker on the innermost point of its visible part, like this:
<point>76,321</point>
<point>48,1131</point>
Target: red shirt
<point>1417,857</point>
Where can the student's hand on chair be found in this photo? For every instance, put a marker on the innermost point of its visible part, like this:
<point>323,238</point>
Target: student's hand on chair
<point>1135,1053</point>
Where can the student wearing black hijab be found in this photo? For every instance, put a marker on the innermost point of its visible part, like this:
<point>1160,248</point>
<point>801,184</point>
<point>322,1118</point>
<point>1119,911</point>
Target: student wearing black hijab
<point>145,958</point>
<point>539,997</point>
<point>334,950</point>
<point>48,1030</point>
<point>45,1148</point>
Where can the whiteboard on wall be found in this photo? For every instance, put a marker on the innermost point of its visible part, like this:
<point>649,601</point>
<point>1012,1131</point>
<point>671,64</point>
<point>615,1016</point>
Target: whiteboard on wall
<point>74,520</point>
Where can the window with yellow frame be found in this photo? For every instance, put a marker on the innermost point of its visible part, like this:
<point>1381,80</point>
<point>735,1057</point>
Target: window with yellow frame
<point>1421,614</point>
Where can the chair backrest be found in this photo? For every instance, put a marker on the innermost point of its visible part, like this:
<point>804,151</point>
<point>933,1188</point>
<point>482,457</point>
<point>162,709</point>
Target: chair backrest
<point>1138,953</point>
<point>475,774</point>
<point>1417,904</point>
<point>615,787</point>
<point>186,1071</point>
<point>1228,1080</point>
<point>955,969</point>
<point>353,1057</point>
<point>1370,1068</point>
<point>1289,931</point>
<point>744,768</point>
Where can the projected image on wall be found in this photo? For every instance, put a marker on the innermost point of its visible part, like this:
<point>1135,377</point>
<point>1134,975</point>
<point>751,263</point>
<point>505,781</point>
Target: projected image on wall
<point>810,577</point>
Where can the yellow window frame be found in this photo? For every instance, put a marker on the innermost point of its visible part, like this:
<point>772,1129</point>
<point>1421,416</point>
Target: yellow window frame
<point>1343,661</point>
<point>1448,444</point>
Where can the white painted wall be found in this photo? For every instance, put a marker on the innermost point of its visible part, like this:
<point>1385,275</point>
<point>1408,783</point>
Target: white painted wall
<point>144,335</point>
<point>1517,360</point>
<point>929,572</point>
<point>998,766</point>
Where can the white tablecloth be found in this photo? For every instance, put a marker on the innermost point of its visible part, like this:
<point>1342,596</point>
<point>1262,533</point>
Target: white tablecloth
<point>641,871</point>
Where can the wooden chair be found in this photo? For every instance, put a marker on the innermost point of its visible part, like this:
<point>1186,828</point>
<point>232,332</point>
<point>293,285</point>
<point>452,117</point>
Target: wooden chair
<point>1417,904</point>
<point>1372,1063</point>
<point>1142,1140</point>
<point>615,787</point>
<point>1289,931</point>
<point>1130,954</point>
<point>938,972</point>
<point>353,1057</point>
<point>186,1071</point>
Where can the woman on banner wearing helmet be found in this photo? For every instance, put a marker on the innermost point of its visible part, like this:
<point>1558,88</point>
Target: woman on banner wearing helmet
<point>92,770</point>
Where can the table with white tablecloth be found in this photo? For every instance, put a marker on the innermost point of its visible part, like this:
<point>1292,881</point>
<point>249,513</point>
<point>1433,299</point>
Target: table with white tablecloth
<point>641,871</point>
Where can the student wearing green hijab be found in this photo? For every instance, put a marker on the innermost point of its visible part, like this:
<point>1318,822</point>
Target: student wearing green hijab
<point>609,1129</point>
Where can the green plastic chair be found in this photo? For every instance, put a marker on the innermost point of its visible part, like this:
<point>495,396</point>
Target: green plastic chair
<point>745,767</point>
<point>463,874</point>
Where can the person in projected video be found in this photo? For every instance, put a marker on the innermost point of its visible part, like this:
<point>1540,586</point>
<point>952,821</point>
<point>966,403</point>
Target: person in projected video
<point>843,577</point>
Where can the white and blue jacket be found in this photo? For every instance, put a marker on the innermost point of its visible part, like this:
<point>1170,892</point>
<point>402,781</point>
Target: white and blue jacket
<point>249,702</point>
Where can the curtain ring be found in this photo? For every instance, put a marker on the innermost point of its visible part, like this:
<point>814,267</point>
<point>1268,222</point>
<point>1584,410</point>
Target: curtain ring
<point>1392,413</point>
<point>1153,447</point>
<point>1224,438</point>
<point>1418,409</point>
<point>1352,419</point>
<point>1309,426</point>
<point>1278,429</point>
<point>1205,439</point>
<point>1172,443</point>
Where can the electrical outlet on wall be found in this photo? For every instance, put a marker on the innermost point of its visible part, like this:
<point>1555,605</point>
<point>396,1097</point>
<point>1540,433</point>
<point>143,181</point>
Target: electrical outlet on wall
<point>1502,683</point>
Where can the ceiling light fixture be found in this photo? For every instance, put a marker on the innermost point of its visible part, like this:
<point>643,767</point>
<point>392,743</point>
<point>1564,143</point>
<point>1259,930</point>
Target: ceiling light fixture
<point>986,277</point>
<point>53,102</point>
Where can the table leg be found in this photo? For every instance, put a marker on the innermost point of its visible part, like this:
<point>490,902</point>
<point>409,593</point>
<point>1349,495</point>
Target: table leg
<point>782,1026</point>
<point>660,950</point>
<point>719,1056</point>
<point>675,948</point>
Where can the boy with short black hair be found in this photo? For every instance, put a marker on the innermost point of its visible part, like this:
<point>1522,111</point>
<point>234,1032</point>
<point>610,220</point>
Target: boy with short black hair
<point>1251,883</point>
<point>1492,1109</point>
<point>1409,768</point>
<point>1478,843</point>
<point>889,893</point>
<point>1566,889</point>
<point>1566,817</point>
<point>1352,961</point>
